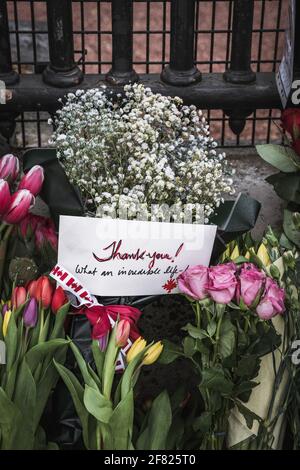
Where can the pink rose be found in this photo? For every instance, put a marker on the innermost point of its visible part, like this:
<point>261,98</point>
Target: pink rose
<point>193,281</point>
<point>222,282</point>
<point>251,281</point>
<point>272,301</point>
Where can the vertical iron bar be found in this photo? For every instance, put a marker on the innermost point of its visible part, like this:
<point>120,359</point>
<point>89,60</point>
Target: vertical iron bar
<point>240,64</point>
<point>182,69</point>
<point>7,74</point>
<point>240,71</point>
<point>122,71</point>
<point>62,71</point>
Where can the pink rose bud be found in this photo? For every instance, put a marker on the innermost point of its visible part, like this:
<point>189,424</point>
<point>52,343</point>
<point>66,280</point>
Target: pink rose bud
<point>5,197</point>
<point>33,180</point>
<point>122,334</point>
<point>21,202</point>
<point>9,167</point>
<point>272,302</point>
<point>222,282</point>
<point>251,282</point>
<point>193,282</point>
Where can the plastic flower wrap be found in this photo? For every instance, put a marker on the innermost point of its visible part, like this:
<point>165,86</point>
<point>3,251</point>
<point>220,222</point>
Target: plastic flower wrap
<point>143,149</point>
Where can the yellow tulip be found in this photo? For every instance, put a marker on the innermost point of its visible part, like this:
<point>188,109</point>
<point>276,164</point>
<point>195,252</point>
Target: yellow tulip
<point>236,253</point>
<point>5,322</point>
<point>137,347</point>
<point>153,353</point>
<point>263,255</point>
<point>247,255</point>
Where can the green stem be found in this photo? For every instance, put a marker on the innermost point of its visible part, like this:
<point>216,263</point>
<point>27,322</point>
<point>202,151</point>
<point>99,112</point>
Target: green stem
<point>198,315</point>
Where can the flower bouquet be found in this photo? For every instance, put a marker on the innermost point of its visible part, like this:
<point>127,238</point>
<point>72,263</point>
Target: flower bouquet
<point>233,305</point>
<point>31,334</point>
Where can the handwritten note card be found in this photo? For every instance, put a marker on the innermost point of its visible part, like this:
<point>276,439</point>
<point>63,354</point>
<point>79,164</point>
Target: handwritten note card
<point>128,258</point>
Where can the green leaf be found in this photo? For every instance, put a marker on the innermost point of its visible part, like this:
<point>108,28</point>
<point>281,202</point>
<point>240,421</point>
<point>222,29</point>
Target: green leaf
<point>39,352</point>
<point>96,404</point>
<point>244,389</point>
<point>189,346</point>
<point>227,338</point>
<point>248,366</point>
<point>211,328</point>
<point>278,156</point>
<point>77,392</point>
<point>195,332</point>
<point>99,357</point>
<point>203,423</point>
<point>25,395</point>
<point>248,414</point>
<point>11,343</point>
<point>287,186</point>
<point>155,435</point>
<point>10,419</point>
<point>214,379</point>
<point>290,229</point>
<point>127,378</point>
<point>87,377</point>
<point>170,352</point>
<point>121,423</point>
<point>60,317</point>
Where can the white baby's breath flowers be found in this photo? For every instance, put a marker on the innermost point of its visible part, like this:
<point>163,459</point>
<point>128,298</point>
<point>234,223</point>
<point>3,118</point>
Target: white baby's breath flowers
<point>140,148</point>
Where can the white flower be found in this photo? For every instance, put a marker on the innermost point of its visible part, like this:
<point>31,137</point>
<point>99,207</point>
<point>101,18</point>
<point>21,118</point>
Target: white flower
<point>144,148</point>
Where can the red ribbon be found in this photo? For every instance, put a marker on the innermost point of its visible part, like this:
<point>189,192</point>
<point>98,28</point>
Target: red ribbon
<point>98,316</point>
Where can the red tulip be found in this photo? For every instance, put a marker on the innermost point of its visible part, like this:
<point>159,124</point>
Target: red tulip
<point>58,300</point>
<point>9,167</point>
<point>20,204</point>
<point>44,291</point>
<point>19,296</point>
<point>31,289</point>
<point>122,334</point>
<point>33,180</point>
<point>5,197</point>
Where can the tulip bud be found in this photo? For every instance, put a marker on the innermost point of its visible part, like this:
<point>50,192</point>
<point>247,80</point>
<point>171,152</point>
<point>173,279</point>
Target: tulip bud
<point>137,347</point>
<point>30,314</point>
<point>58,300</point>
<point>235,253</point>
<point>263,255</point>
<point>9,167</point>
<point>19,296</point>
<point>33,180</point>
<point>5,307</point>
<point>44,291</point>
<point>122,333</point>
<point>153,353</point>
<point>289,259</point>
<point>20,204</point>
<point>6,322</point>
<point>5,197</point>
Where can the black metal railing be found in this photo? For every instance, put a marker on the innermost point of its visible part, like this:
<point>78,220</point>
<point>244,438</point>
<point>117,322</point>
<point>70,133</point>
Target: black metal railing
<point>211,53</point>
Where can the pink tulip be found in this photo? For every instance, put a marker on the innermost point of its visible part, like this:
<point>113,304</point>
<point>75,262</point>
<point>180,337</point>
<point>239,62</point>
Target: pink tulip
<point>222,282</point>
<point>5,197</point>
<point>251,282</point>
<point>123,332</point>
<point>272,302</point>
<point>9,167</point>
<point>33,180</point>
<point>20,204</point>
<point>193,282</point>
